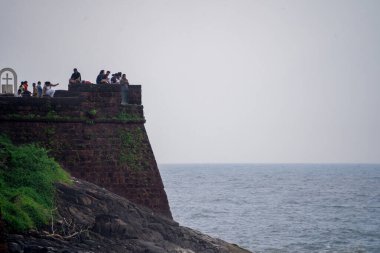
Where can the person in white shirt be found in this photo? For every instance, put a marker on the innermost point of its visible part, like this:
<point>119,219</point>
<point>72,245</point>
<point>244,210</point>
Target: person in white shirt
<point>48,89</point>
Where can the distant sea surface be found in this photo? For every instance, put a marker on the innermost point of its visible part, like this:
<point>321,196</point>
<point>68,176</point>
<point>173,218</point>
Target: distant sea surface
<point>279,208</point>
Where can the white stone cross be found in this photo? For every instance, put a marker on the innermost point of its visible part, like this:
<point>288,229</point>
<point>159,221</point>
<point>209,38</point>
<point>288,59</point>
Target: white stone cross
<point>7,87</point>
<point>7,79</point>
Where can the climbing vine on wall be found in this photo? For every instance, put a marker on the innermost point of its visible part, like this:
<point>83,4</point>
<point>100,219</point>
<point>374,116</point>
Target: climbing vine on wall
<point>132,149</point>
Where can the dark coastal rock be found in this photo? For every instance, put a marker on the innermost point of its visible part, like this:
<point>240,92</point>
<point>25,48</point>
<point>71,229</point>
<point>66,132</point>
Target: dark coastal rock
<point>92,219</point>
<point>3,244</point>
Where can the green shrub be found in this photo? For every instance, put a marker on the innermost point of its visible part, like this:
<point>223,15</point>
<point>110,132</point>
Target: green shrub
<point>92,112</point>
<point>27,177</point>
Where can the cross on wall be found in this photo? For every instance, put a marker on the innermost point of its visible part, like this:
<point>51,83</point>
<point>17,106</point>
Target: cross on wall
<point>7,78</point>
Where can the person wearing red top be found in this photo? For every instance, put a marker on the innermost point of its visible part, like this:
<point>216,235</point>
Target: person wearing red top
<point>25,85</point>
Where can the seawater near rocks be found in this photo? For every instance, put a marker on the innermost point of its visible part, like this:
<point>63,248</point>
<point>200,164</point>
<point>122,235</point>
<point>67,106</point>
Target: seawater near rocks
<point>113,224</point>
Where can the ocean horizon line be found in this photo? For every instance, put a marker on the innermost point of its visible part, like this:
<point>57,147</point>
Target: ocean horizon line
<point>267,163</point>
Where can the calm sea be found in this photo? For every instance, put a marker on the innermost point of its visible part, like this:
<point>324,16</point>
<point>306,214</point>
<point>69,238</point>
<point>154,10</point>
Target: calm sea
<point>280,208</point>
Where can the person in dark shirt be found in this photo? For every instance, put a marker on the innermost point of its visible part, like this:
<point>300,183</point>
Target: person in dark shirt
<point>100,77</point>
<point>114,78</point>
<point>34,93</point>
<point>39,89</point>
<point>75,77</point>
<point>105,78</point>
<point>25,92</point>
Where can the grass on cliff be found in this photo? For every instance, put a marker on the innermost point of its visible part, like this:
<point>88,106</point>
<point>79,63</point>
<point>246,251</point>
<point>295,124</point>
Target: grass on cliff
<point>27,177</point>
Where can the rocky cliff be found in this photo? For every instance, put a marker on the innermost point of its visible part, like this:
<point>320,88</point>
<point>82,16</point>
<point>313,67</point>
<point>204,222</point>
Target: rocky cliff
<point>92,219</point>
<point>97,139</point>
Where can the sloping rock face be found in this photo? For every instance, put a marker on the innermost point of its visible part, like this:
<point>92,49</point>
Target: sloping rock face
<point>92,219</point>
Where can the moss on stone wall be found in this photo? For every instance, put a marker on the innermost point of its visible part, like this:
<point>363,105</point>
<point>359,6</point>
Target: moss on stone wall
<point>132,146</point>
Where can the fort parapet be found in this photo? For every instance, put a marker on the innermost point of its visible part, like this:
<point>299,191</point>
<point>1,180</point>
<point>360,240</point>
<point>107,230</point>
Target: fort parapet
<point>92,136</point>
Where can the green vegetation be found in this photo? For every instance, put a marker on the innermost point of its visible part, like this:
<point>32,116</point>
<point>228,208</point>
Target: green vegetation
<point>90,119</point>
<point>22,117</point>
<point>89,122</point>
<point>27,177</point>
<point>92,112</point>
<point>132,149</point>
<point>91,116</point>
<point>52,115</point>
<point>124,116</point>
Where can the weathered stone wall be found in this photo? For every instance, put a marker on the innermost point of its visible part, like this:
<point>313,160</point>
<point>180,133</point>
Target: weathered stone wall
<point>93,137</point>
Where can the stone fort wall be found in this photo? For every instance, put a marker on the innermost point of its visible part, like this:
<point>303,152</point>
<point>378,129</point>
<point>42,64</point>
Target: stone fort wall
<point>93,137</point>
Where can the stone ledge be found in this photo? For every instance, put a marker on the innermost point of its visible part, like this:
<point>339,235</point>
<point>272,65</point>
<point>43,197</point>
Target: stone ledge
<point>100,87</point>
<point>40,101</point>
<point>71,120</point>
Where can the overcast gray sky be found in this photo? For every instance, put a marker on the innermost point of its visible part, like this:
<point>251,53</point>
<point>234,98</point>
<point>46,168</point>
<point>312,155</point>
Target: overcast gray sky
<point>223,80</point>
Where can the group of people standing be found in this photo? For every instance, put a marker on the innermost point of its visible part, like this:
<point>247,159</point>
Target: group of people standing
<point>76,78</point>
<point>37,89</point>
<point>117,78</point>
<point>102,78</point>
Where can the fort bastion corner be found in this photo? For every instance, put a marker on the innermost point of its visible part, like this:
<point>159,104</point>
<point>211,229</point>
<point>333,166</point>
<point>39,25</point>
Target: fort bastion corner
<point>92,136</point>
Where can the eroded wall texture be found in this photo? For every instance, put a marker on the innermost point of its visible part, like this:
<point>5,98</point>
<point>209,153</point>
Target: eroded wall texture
<point>93,137</point>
